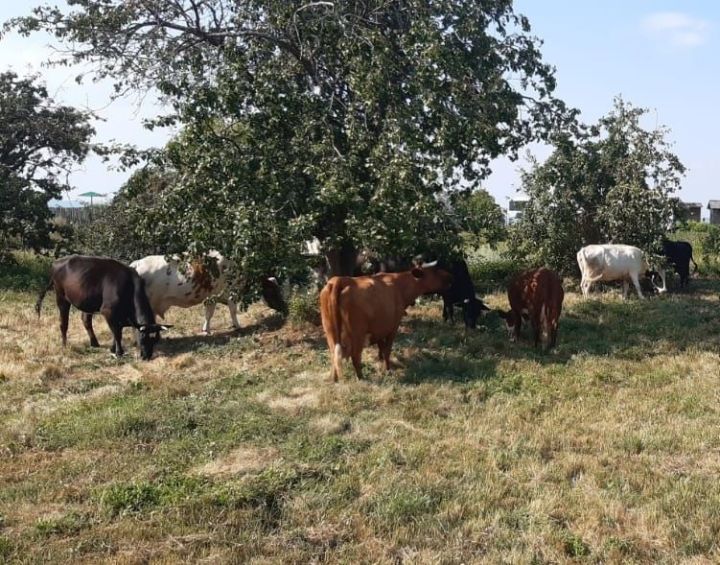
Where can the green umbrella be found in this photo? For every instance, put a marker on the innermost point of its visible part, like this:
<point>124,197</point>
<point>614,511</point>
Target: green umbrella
<point>91,195</point>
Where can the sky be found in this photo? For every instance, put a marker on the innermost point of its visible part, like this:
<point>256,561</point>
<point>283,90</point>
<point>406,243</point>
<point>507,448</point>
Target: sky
<point>657,54</point>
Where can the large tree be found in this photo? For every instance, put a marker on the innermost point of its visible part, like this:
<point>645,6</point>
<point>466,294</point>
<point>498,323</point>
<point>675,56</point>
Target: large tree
<point>340,120</point>
<point>608,183</point>
<point>40,143</point>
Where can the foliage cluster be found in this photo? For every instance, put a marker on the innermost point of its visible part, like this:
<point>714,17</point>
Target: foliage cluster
<point>608,183</point>
<point>40,143</point>
<point>347,121</point>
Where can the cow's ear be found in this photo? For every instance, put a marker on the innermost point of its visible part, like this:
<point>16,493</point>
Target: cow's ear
<point>417,273</point>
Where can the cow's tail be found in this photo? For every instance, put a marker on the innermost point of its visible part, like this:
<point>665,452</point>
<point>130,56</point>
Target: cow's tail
<point>336,324</point>
<point>694,263</point>
<point>41,297</point>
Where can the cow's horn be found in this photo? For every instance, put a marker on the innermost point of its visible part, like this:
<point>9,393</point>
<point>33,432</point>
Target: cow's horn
<point>426,265</point>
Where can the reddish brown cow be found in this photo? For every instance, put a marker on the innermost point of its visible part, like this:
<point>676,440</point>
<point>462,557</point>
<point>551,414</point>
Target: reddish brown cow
<point>536,294</point>
<point>356,308</point>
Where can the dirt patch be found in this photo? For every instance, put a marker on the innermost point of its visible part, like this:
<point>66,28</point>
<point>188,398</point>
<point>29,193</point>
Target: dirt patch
<point>239,461</point>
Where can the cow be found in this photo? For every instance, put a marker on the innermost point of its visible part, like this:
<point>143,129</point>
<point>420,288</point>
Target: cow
<point>354,309</point>
<point>182,283</point>
<point>461,293</point>
<point>537,295</point>
<point>614,262</point>
<point>679,255</point>
<point>100,284</point>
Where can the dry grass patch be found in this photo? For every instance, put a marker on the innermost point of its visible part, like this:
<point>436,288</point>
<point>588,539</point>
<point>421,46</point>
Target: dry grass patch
<point>239,461</point>
<point>295,401</point>
<point>473,449</point>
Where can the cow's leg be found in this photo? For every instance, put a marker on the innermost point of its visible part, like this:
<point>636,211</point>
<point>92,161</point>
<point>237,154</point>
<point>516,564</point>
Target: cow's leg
<point>387,348</point>
<point>233,313</point>
<point>626,286</point>
<point>210,306</point>
<point>585,286</point>
<point>356,353</point>
<point>636,282</point>
<point>553,333</point>
<point>448,308</point>
<point>116,330</point>
<point>684,277</point>
<point>64,308</point>
<point>537,326</point>
<point>87,322</point>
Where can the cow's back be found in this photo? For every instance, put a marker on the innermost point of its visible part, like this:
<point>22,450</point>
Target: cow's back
<point>370,305</point>
<point>609,262</point>
<point>167,284</point>
<point>87,282</point>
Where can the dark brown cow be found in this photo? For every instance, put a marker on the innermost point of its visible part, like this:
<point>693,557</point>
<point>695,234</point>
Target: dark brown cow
<point>536,294</point>
<point>356,308</point>
<point>99,284</point>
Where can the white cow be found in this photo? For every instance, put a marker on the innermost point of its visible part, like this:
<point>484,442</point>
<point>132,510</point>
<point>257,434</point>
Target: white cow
<point>614,262</point>
<point>167,284</point>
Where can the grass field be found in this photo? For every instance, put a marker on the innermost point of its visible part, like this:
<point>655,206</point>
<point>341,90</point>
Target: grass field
<point>237,448</point>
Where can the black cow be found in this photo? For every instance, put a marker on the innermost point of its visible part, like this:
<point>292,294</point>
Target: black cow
<point>461,293</point>
<point>679,254</point>
<point>99,284</point>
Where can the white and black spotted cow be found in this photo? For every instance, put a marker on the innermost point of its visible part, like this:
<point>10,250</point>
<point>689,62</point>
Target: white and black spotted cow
<point>183,283</point>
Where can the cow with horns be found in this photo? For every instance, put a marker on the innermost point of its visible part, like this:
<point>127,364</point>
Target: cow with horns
<point>105,286</point>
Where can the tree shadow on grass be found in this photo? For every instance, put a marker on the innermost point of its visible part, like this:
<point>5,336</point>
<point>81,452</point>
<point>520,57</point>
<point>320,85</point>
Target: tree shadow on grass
<point>170,345</point>
<point>630,330</point>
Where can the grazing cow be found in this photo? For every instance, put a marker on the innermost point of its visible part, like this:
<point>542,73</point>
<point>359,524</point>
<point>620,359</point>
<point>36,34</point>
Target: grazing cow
<point>537,295</point>
<point>354,309</point>
<point>170,283</point>
<point>99,284</point>
<point>461,293</point>
<point>614,262</point>
<point>679,254</point>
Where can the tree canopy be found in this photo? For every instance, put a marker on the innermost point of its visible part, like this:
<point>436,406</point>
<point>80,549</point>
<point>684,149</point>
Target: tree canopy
<point>608,183</point>
<point>340,120</point>
<point>40,143</point>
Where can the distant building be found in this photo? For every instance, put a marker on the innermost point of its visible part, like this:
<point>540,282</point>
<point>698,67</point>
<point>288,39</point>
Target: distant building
<point>693,210</point>
<point>517,205</point>
<point>714,207</point>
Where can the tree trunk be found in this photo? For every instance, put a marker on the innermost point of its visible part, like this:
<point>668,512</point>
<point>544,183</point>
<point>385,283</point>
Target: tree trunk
<point>342,262</point>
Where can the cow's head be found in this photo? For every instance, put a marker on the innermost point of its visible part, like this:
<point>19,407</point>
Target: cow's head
<point>653,275</point>
<point>431,278</point>
<point>147,336</point>
<point>510,322</point>
<point>272,294</point>
<point>472,310</point>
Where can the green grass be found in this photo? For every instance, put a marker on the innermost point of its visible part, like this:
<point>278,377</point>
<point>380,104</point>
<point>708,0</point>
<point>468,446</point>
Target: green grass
<point>237,448</point>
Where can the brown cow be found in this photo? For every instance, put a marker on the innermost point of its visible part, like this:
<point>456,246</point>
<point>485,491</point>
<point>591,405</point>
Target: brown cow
<point>536,294</point>
<point>356,308</point>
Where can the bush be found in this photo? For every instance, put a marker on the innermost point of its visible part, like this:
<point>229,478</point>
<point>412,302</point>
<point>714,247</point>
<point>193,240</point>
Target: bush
<point>24,271</point>
<point>491,269</point>
<point>304,306</point>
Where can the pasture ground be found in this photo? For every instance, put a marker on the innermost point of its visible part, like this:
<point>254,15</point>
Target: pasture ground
<point>237,448</point>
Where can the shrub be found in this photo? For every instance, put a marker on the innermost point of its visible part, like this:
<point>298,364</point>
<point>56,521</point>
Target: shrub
<point>304,306</point>
<point>24,271</point>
